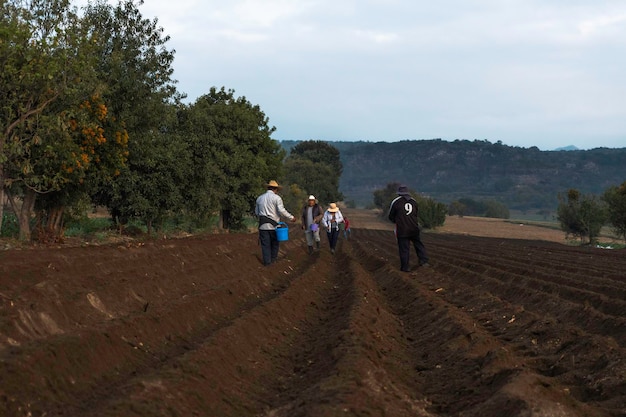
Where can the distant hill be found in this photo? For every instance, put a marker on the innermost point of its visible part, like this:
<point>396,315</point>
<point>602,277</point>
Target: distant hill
<point>567,148</point>
<point>521,178</point>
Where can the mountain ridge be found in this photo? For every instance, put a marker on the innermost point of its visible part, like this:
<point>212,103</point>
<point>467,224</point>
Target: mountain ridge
<point>521,178</point>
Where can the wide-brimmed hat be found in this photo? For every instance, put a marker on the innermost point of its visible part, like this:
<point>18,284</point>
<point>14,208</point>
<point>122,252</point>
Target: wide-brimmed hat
<point>274,184</point>
<point>333,208</point>
<point>311,197</point>
<point>403,190</point>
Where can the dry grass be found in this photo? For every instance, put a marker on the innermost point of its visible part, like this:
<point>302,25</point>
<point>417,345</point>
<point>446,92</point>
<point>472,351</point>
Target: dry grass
<point>474,226</point>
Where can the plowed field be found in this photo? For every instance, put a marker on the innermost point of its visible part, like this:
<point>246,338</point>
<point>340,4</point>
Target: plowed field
<point>198,327</point>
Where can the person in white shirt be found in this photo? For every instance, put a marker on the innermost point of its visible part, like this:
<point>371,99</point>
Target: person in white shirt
<point>331,220</point>
<point>269,208</point>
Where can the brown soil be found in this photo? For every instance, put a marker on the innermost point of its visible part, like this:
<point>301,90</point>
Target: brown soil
<point>198,327</point>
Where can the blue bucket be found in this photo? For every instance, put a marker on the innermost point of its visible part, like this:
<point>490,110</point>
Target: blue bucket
<point>282,232</point>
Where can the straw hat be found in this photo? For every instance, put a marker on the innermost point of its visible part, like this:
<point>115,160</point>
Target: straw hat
<point>311,197</point>
<point>333,208</point>
<point>274,184</point>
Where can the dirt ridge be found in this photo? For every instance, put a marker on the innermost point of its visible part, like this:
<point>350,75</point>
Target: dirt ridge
<point>198,326</point>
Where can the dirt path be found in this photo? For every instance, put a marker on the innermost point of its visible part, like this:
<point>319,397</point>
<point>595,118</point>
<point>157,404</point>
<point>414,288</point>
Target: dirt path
<point>198,327</point>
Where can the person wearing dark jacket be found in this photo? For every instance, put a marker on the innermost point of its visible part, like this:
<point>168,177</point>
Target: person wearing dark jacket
<point>312,213</point>
<point>403,212</point>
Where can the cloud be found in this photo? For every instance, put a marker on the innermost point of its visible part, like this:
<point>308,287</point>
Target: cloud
<point>603,23</point>
<point>407,69</point>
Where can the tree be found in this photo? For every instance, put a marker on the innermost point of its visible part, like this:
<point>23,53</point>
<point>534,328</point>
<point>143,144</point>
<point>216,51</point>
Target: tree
<point>496,210</point>
<point>152,189</point>
<point>44,54</point>
<point>233,154</point>
<point>90,150</point>
<point>456,208</point>
<point>615,198</point>
<point>312,177</point>
<point>581,215</point>
<point>135,67</point>
<point>319,151</point>
<point>384,196</point>
<point>315,166</point>
<point>294,198</point>
<point>432,214</point>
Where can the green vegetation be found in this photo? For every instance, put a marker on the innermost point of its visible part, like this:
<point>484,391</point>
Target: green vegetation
<point>581,215</point>
<point>91,117</point>
<point>10,226</point>
<point>312,167</point>
<point>522,179</point>
<point>470,207</point>
<point>615,198</point>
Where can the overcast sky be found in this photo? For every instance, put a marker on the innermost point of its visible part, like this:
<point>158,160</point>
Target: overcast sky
<point>545,73</point>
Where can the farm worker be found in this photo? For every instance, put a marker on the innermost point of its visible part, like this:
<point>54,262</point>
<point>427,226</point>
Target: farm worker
<point>311,215</point>
<point>269,207</point>
<point>331,220</point>
<point>346,228</point>
<point>403,212</point>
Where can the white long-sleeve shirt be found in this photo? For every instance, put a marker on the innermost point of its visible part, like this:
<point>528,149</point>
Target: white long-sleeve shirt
<point>270,205</point>
<point>327,219</point>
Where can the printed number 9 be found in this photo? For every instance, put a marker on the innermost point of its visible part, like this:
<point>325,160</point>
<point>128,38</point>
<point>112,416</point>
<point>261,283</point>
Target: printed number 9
<point>408,207</point>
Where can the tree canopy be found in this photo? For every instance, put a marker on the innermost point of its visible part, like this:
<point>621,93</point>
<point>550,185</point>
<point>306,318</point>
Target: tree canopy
<point>53,116</point>
<point>90,112</point>
<point>581,215</point>
<point>232,154</point>
<point>315,167</point>
<point>615,198</point>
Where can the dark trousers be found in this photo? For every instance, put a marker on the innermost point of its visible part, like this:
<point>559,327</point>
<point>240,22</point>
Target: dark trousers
<point>404,248</point>
<point>333,235</point>
<point>269,246</point>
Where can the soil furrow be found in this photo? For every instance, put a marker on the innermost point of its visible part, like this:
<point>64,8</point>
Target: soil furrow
<point>369,376</point>
<point>240,363</point>
<point>541,346</point>
<point>198,327</point>
<point>107,354</point>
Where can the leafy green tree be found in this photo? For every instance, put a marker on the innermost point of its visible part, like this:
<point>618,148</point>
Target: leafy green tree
<point>320,152</point>
<point>496,210</point>
<point>581,215</point>
<point>152,189</point>
<point>135,66</point>
<point>233,155</point>
<point>294,198</point>
<point>469,207</point>
<point>456,208</point>
<point>432,214</point>
<point>314,178</point>
<point>384,196</point>
<point>315,166</point>
<point>615,198</point>
<point>92,149</point>
<point>45,57</point>
<point>473,207</point>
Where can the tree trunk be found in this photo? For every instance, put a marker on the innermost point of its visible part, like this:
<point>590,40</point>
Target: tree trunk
<point>1,198</point>
<point>224,219</point>
<point>24,213</point>
<point>50,225</point>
